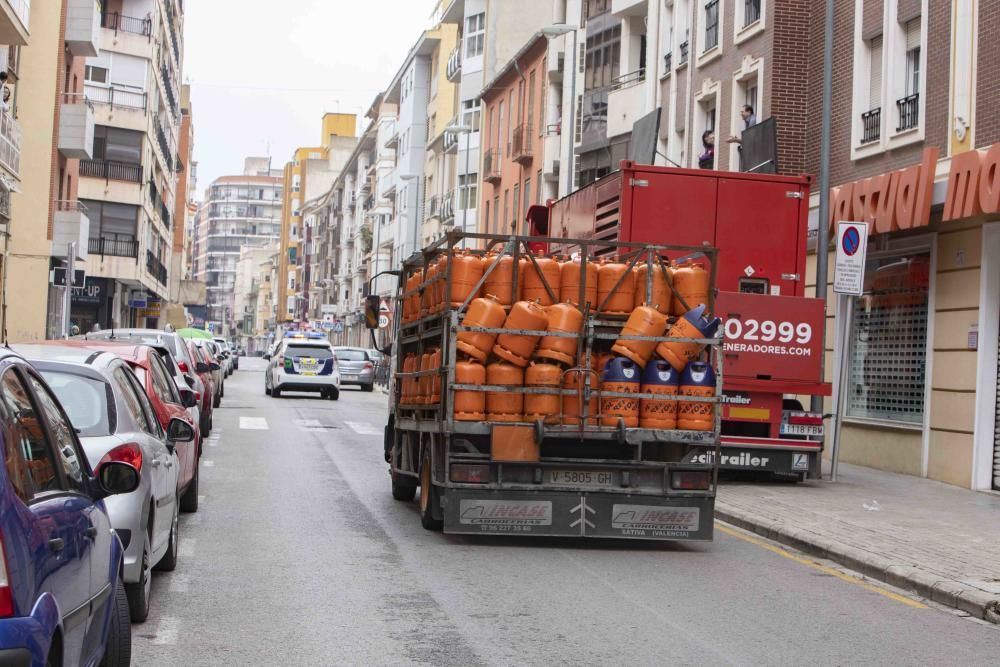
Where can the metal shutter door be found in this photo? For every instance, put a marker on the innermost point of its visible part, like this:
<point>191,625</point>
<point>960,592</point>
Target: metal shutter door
<point>996,435</point>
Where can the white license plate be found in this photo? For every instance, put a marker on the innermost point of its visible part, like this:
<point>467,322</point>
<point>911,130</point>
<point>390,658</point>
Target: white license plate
<point>587,478</point>
<point>801,429</point>
<point>350,377</point>
<point>308,373</point>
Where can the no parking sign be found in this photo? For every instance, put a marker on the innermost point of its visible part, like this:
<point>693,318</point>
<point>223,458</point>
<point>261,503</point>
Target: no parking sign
<point>852,252</point>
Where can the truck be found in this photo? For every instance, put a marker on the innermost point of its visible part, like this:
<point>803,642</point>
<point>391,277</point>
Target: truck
<point>595,476</point>
<point>774,333</point>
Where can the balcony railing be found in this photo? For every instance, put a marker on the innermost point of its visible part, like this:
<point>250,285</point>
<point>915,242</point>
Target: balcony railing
<point>751,12</point>
<point>448,207</point>
<point>432,207</point>
<point>450,140</point>
<point>114,245</point>
<point>168,88</point>
<point>684,52</point>
<point>454,67</point>
<point>521,150</point>
<point>10,143</point>
<point>668,61</point>
<point>161,140</point>
<point>155,268</point>
<point>711,24</point>
<point>629,80</point>
<point>121,23</point>
<point>909,112</point>
<point>111,170</point>
<point>871,125</point>
<point>117,98</point>
<point>491,166</point>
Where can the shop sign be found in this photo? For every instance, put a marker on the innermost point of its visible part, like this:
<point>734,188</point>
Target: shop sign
<point>93,292</point>
<point>973,184</point>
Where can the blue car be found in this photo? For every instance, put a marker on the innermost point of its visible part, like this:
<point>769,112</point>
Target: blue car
<point>62,601</point>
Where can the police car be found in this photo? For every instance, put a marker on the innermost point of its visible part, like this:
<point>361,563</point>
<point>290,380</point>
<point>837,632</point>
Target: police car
<point>303,361</point>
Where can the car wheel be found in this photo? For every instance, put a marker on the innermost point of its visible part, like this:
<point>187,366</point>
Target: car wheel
<point>334,394</point>
<point>217,401</point>
<point>403,488</point>
<point>189,501</point>
<point>267,390</point>
<point>276,393</point>
<point>222,392</point>
<point>428,496</point>
<point>139,592</point>
<point>118,648</point>
<point>169,560</point>
<point>367,387</point>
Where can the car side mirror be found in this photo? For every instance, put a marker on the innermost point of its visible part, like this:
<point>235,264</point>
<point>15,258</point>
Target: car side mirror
<point>202,367</point>
<point>188,399</point>
<point>179,430</point>
<point>189,380</point>
<point>373,308</point>
<point>214,366</point>
<point>267,357</point>
<point>116,478</point>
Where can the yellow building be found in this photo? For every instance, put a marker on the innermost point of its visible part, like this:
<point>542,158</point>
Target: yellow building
<point>442,147</point>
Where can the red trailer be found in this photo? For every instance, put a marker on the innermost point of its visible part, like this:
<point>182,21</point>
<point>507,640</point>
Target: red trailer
<point>774,333</point>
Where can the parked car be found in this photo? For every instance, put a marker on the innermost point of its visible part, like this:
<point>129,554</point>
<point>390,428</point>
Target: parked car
<point>303,364</point>
<point>115,420</point>
<point>203,369</point>
<point>228,354</point>
<point>208,351</point>
<point>59,558</point>
<point>356,367</point>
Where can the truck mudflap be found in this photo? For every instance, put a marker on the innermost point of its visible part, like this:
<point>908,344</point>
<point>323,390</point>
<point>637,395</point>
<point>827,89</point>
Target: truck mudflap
<point>781,463</point>
<point>577,514</point>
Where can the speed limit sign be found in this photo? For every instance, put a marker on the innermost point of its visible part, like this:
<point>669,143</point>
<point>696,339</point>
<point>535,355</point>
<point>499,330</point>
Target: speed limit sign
<point>383,321</point>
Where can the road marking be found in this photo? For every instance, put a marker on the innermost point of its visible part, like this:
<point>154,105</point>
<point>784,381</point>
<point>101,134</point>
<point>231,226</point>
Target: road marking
<point>167,631</point>
<point>362,428</point>
<point>212,442</point>
<point>208,464</point>
<point>808,562</point>
<point>253,423</point>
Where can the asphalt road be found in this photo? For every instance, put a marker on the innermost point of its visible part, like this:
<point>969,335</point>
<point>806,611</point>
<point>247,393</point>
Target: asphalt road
<point>299,556</point>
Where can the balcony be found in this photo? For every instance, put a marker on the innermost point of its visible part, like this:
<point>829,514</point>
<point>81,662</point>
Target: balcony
<point>116,98</point>
<point>454,68</point>
<point>164,144</point>
<point>10,144</point>
<point>14,15</point>
<point>668,63</point>
<point>111,170</point>
<point>130,24</point>
<point>76,127</point>
<point>684,51</point>
<point>432,207</point>
<point>871,126</point>
<point>155,268</point>
<point>625,102</point>
<point>70,225</point>
<point>352,200</point>
<point>909,112</point>
<point>83,27</point>
<point>448,207</point>
<point>491,166</point>
<point>450,139</point>
<point>157,204</point>
<point>114,245</point>
<point>521,148</point>
<point>168,89</point>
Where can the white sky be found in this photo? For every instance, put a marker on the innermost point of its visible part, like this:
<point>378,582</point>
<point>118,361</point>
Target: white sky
<point>263,72</point>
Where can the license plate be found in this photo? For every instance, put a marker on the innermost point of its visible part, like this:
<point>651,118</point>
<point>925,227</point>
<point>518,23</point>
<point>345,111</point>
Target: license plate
<point>586,478</point>
<point>350,377</point>
<point>308,373</point>
<point>801,429</point>
<point>306,361</point>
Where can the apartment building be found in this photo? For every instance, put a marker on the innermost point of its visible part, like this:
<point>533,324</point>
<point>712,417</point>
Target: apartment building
<point>439,173</point>
<point>236,212</point>
<point>250,281</point>
<point>379,206</point>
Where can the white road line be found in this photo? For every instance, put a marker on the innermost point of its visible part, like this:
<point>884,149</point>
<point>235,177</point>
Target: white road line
<point>167,631</point>
<point>362,428</point>
<point>306,424</point>
<point>253,423</point>
<point>180,583</point>
<point>212,442</point>
<point>208,464</point>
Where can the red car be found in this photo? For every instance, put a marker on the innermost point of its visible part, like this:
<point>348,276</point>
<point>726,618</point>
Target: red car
<point>166,401</point>
<point>203,367</point>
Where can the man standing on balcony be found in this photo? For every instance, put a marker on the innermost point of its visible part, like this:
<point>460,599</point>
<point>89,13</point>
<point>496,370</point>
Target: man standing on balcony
<point>749,120</point>
<point>4,92</point>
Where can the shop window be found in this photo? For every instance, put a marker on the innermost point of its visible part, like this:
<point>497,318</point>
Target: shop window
<point>888,341</point>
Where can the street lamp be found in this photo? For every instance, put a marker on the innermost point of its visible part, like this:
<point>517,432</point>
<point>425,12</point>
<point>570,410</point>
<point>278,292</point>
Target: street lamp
<point>553,31</point>
<point>466,130</point>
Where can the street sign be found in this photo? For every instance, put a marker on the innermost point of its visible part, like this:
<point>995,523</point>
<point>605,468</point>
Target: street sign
<point>58,278</point>
<point>338,327</point>
<point>384,308</point>
<point>852,252</point>
<point>383,321</point>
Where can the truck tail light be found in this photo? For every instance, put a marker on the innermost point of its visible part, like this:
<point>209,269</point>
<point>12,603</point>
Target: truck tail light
<point>691,480</point>
<point>129,453</point>
<point>6,595</point>
<point>470,474</point>
<point>805,418</point>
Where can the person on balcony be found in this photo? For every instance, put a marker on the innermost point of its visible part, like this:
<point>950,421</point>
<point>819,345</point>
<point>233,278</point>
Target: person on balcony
<point>707,159</point>
<point>5,94</point>
<point>749,120</point>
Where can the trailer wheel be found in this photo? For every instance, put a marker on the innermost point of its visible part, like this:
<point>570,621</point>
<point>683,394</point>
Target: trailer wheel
<point>428,495</point>
<point>404,488</point>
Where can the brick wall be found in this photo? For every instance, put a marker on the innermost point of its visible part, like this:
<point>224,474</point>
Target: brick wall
<point>986,124</point>
<point>788,90</point>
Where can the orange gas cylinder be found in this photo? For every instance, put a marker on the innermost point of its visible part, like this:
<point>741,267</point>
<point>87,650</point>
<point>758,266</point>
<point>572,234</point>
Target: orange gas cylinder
<point>690,282</point>
<point>408,301</point>
<point>659,378</point>
<point>542,406</point>
<point>572,411</point>
<point>694,324</point>
<point>439,287</point>
<point>406,383</point>
<point>485,313</point>
<point>532,288</point>
<point>424,382</point>
<point>622,299</point>
<point>427,297</point>
<point>644,321</point>
<point>415,298</point>
<point>698,380</point>
<point>600,361</point>
<point>622,376</point>
<point>504,406</point>
<point>435,381</point>
<point>570,275</point>
<point>563,318</point>
<point>662,297</point>
<point>466,272</point>
<point>518,348</point>
<point>470,406</point>
<point>500,283</point>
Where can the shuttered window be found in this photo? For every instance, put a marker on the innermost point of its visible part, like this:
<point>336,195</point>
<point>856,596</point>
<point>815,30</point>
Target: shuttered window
<point>913,57</point>
<point>875,82</point>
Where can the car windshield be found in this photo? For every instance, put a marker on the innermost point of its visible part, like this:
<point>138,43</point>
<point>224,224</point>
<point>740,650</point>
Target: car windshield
<point>311,351</point>
<point>85,401</point>
<point>351,355</point>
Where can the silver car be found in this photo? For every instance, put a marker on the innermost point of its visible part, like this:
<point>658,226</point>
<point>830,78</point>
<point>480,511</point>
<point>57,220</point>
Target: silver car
<point>356,367</point>
<point>219,374</point>
<point>226,354</point>
<point>116,422</point>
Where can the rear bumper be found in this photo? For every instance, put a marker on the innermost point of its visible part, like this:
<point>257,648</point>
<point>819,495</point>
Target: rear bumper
<point>25,641</point>
<point>576,514</point>
<point>286,382</point>
<point>362,378</point>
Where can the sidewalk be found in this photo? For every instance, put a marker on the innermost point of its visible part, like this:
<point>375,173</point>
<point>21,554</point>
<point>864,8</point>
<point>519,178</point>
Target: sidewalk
<point>937,540</point>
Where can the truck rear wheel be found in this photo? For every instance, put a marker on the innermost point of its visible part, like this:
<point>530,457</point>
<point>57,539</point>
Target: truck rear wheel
<point>428,495</point>
<point>403,487</point>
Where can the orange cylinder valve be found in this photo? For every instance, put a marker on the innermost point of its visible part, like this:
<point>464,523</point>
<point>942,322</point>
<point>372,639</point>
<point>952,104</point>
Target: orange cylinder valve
<point>691,282</point>
<point>662,297</point>
<point>659,378</point>
<point>500,283</point>
<point>563,318</point>
<point>694,324</point>
<point>504,406</point>
<point>572,404</point>
<point>622,376</point>
<point>570,276</point>
<point>698,379</point>
<point>466,272</point>
<point>644,321</point>
<point>486,313</point>
<point>470,406</point>
<point>622,296</point>
<point>518,348</point>
<point>532,287</point>
<point>542,406</point>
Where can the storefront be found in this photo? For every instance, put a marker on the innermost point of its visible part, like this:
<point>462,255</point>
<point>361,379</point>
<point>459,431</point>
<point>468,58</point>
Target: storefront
<point>92,306</point>
<point>921,353</point>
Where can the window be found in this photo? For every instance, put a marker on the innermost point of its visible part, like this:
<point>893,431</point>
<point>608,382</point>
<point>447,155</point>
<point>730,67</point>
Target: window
<point>27,456</point>
<point>291,280</point>
<point>112,221</point>
<point>530,119</point>
<point>95,74</point>
<point>871,120</point>
<point>538,180</point>
<point>85,401</point>
<point>527,198</point>
<point>597,7</point>
<point>751,11</point>
<point>486,217</point>
<point>468,190</point>
<point>913,57</point>
<point>63,440</point>
<point>515,211</point>
<point>497,220</point>
<point>506,211</point>
<point>112,143</point>
<point>499,144</point>
<point>166,389</point>
<point>471,110</point>
<point>888,343</point>
<point>711,24</point>
<point>475,35</point>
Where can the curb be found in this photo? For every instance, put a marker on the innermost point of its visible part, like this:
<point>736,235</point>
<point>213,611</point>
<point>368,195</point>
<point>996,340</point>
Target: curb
<point>955,594</point>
